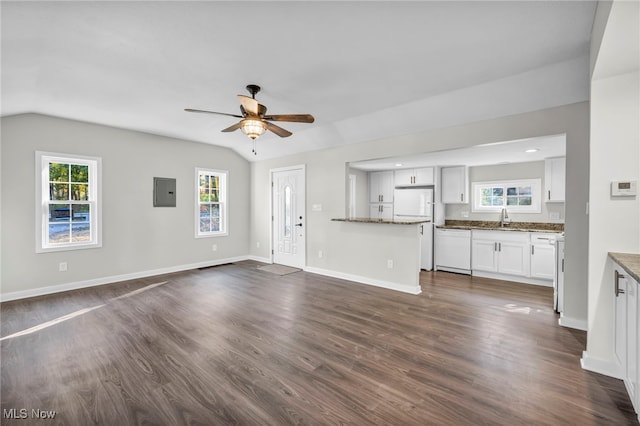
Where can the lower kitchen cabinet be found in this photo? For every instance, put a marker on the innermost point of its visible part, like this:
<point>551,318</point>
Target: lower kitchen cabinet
<point>626,331</point>
<point>501,252</point>
<point>543,254</point>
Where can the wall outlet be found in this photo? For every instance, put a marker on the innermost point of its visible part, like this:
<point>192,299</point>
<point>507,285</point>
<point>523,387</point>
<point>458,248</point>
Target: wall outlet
<point>389,263</point>
<point>258,244</point>
<point>62,267</point>
<point>464,213</point>
<point>554,215</point>
<point>320,254</point>
<point>214,247</point>
<point>316,207</point>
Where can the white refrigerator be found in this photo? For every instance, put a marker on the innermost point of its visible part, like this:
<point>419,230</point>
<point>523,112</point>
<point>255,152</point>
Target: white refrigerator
<point>417,203</point>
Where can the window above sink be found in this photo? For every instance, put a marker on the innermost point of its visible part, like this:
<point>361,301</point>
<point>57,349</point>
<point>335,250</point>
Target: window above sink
<point>518,196</point>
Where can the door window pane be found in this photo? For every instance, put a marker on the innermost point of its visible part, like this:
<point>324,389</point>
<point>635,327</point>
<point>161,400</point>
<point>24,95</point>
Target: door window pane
<point>287,212</point>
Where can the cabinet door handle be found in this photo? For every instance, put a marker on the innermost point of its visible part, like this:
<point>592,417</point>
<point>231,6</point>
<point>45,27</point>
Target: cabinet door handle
<point>499,246</point>
<point>461,197</point>
<point>549,194</point>
<point>617,288</point>
<point>532,251</point>
<point>495,246</point>
<point>562,265</point>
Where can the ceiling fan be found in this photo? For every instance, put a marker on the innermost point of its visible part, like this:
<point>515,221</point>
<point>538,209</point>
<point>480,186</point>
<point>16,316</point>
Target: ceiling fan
<point>255,120</point>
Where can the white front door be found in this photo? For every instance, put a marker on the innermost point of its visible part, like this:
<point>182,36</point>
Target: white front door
<point>289,221</point>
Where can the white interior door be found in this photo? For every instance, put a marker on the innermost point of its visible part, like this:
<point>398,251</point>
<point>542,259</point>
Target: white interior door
<point>289,220</point>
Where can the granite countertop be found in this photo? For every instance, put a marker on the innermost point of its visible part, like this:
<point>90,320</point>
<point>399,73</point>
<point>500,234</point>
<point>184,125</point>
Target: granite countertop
<point>386,221</point>
<point>630,262</point>
<point>495,226</point>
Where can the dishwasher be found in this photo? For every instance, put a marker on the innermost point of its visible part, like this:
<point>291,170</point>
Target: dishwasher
<point>453,250</point>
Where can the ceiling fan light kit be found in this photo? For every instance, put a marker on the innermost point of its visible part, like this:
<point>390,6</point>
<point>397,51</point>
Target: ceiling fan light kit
<point>253,128</point>
<point>254,121</point>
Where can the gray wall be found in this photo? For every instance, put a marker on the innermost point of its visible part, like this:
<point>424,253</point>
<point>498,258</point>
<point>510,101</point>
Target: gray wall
<point>326,177</point>
<point>137,237</point>
<point>614,223</point>
<point>529,170</point>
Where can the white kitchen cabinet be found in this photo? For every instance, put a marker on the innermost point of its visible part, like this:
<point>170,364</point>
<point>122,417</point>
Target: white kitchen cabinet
<point>559,284</point>
<point>620,317</point>
<point>543,256</point>
<point>631,378</point>
<point>453,250</point>
<point>381,187</point>
<point>455,185</point>
<point>502,252</point>
<point>381,211</point>
<point>513,257</point>
<point>483,253</point>
<point>414,177</point>
<point>554,179</point>
<point>626,330</point>
<point>381,195</point>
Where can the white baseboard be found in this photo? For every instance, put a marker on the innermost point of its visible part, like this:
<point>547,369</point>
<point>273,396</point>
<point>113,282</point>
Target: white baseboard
<point>365,280</point>
<point>572,322</point>
<point>42,291</point>
<point>600,366</point>
<point>259,259</point>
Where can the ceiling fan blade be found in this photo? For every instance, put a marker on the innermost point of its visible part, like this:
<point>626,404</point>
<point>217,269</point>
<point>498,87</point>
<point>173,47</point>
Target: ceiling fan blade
<point>294,118</point>
<point>232,128</point>
<point>212,112</point>
<point>249,104</point>
<point>283,133</point>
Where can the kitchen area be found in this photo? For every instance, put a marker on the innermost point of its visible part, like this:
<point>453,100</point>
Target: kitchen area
<point>494,211</point>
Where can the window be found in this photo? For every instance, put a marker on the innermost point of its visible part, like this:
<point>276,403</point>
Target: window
<point>211,203</point>
<point>68,198</point>
<point>522,196</point>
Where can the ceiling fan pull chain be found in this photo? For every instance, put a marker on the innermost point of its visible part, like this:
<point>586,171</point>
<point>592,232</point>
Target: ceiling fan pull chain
<point>254,148</point>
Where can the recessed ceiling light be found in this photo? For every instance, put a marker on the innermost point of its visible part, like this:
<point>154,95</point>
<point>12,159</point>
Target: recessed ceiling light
<point>398,164</point>
<point>532,150</point>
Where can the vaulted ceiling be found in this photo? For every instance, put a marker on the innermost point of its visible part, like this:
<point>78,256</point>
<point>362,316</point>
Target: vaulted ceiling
<point>365,70</point>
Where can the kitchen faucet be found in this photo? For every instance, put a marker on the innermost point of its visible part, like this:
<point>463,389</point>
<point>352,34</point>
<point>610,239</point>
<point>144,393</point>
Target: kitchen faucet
<point>504,218</point>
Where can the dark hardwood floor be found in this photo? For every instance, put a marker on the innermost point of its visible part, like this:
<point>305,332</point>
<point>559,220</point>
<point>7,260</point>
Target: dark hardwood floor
<point>235,345</point>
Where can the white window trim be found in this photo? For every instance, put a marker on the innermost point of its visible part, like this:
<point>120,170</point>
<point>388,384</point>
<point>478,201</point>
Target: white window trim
<point>224,201</point>
<point>42,194</point>
<point>536,196</point>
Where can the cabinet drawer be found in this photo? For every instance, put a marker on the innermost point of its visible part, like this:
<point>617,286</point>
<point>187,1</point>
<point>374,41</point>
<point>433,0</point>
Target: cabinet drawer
<point>543,238</point>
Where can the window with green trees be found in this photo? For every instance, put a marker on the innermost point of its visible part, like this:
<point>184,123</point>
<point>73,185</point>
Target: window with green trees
<point>211,202</point>
<point>69,191</point>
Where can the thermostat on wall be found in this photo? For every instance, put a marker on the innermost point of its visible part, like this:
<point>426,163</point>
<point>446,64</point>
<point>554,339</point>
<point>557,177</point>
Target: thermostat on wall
<point>623,188</point>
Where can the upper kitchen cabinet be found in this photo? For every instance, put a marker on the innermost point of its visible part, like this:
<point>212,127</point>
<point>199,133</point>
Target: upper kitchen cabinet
<point>381,187</point>
<point>414,177</point>
<point>455,185</point>
<point>554,180</point>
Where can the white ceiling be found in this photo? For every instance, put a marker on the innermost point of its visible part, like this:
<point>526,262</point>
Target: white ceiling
<point>478,155</point>
<point>365,70</point>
